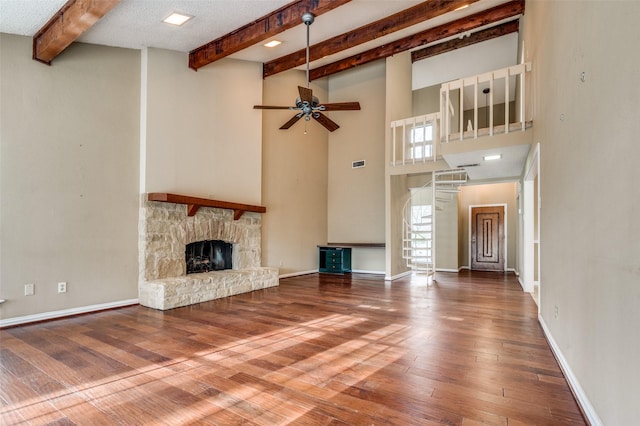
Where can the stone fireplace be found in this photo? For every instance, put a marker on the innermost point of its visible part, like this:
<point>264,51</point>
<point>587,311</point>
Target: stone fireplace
<point>167,228</point>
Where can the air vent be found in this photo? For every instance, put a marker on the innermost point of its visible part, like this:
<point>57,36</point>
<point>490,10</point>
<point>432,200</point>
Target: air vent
<point>462,166</point>
<point>357,164</point>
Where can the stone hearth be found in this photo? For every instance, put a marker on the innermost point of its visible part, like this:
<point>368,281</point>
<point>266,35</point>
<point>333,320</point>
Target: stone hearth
<point>166,229</point>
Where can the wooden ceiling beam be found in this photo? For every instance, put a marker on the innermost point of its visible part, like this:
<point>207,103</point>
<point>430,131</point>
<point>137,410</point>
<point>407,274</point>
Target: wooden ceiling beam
<point>459,26</point>
<point>398,21</point>
<point>262,29</point>
<point>73,19</point>
<point>457,43</point>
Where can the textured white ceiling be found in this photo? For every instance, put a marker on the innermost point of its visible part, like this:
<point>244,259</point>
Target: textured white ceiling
<point>137,23</point>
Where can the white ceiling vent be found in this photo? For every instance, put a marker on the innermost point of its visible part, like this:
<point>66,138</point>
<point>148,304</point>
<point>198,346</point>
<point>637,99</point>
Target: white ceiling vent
<point>357,164</point>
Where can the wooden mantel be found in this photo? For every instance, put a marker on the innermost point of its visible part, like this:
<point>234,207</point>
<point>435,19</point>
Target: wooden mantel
<point>194,203</point>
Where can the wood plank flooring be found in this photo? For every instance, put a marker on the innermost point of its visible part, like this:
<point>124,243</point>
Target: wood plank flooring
<point>317,350</point>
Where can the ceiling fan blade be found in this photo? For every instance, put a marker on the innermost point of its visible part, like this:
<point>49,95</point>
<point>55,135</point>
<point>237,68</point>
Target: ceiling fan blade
<point>342,106</point>
<point>306,94</point>
<point>328,123</point>
<point>291,122</point>
<point>271,107</point>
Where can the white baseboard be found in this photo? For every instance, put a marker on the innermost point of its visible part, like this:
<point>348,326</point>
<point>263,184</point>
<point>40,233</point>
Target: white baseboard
<point>395,277</point>
<point>464,268</point>
<point>446,270</point>
<point>296,274</point>
<point>574,384</point>
<point>9,322</point>
<point>363,271</point>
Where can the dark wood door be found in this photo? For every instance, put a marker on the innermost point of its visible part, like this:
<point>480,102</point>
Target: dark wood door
<point>487,238</point>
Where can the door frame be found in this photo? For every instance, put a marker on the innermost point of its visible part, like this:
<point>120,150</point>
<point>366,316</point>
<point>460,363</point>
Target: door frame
<point>531,221</point>
<point>506,234</point>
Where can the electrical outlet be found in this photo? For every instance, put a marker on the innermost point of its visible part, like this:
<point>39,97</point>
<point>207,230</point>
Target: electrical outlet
<point>62,287</point>
<point>29,289</point>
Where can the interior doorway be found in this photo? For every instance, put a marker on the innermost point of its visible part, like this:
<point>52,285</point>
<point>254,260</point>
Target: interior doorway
<point>487,238</point>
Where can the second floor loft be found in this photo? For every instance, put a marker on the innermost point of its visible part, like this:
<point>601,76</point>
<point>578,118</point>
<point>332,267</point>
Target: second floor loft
<point>476,114</point>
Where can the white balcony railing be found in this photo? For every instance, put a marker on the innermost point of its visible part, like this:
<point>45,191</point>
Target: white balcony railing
<point>412,139</point>
<point>495,102</point>
<point>485,104</point>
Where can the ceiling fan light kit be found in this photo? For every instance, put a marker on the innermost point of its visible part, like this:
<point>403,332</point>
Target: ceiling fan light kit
<point>308,105</point>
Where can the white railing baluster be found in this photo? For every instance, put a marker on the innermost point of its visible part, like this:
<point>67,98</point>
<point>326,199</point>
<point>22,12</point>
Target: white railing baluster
<point>424,138</point>
<point>436,137</point>
<point>491,105</point>
<point>506,102</point>
<point>475,108</point>
<point>461,110</point>
<point>412,140</point>
<point>522,87</point>
<point>404,140</point>
<point>393,143</point>
<point>448,102</point>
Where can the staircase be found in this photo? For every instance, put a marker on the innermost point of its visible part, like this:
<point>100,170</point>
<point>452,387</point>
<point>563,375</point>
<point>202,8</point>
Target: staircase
<point>419,225</point>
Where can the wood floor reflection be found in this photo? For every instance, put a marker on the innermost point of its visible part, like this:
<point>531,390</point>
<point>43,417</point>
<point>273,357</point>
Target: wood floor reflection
<point>317,350</point>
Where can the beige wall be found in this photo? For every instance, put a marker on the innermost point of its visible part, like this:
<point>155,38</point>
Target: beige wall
<point>312,194</point>
<point>356,196</point>
<point>355,205</point>
<point>203,137</point>
<point>426,100</point>
<point>294,180</point>
<point>398,102</point>
<point>590,192</point>
<point>69,177</point>
<point>447,234</point>
<point>477,195</point>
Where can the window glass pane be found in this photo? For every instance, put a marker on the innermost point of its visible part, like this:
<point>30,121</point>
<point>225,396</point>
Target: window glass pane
<point>420,139</point>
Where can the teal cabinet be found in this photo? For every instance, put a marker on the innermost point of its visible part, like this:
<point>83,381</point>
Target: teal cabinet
<point>334,259</point>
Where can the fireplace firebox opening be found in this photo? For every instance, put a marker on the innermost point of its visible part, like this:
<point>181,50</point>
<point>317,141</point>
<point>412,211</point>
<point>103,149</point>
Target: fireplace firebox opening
<point>210,255</point>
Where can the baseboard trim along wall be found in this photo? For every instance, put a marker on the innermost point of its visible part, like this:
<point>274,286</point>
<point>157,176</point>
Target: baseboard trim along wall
<point>295,274</point>
<point>45,316</point>
<point>574,384</point>
<point>395,277</point>
<point>446,270</point>
<point>364,271</point>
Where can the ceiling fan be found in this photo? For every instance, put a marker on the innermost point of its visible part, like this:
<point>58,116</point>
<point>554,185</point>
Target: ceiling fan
<point>308,105</point>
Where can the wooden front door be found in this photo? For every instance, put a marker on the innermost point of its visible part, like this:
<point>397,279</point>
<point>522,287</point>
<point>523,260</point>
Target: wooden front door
<point>487,238</point>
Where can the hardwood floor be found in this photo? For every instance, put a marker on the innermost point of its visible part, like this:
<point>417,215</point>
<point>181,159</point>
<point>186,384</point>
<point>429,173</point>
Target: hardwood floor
<point>317,350</point>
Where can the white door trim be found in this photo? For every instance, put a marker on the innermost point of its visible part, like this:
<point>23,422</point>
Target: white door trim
<point>529,216</point>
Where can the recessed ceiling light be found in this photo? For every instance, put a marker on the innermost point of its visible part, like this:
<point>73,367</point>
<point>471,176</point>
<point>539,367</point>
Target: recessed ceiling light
<point>272,43</point>
<point>492,157</point>
<point>176,19</point>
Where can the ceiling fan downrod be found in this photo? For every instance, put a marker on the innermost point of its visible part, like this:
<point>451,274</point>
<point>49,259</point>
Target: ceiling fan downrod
<point>308,19</point>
